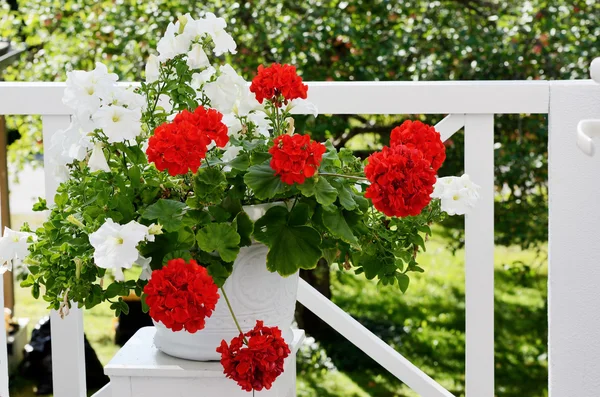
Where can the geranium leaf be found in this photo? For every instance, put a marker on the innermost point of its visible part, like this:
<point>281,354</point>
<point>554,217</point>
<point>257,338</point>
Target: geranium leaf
<point>209,185</point>
<point>324,192</point>
<point>345,194</point>
<point>244,227</point>
<point>168,213</point>
<point>263,181</point>
<point>291,247</point>
<point>183,254</point>
<point>336,223</point>
<point>219,272</point>
<point>219,237</point>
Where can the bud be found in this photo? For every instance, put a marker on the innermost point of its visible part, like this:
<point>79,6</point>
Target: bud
<point>155,229</point>
<point>182,22</point>
<point>71,219</point>
<point>290,128</point>
<point>78,265</point>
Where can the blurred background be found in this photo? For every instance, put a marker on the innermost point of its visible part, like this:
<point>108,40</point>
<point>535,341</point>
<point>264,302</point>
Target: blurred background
<point>350,41</point>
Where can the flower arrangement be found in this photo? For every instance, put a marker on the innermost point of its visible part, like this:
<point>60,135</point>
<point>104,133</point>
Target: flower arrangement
<point>160,176</point>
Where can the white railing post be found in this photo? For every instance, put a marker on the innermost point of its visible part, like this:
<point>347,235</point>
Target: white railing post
<point>68,358</point>
<point>574,245</point>
<point>479,257</point>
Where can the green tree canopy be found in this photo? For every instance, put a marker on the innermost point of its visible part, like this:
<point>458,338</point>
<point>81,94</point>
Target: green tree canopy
<point>343,40</point>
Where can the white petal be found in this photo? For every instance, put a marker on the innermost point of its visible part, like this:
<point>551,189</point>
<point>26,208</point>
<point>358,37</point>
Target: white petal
<point>196,58</point>
<point>97,161</point>
<point>152,69</point>
<point>303,106</point>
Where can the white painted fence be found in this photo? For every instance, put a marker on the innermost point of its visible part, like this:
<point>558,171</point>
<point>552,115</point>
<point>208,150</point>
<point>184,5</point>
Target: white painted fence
<point>574,218</point>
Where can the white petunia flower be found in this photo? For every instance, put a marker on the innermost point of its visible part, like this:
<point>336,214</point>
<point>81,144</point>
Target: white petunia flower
<point>233,123</point>
<point>215,27</point>
<point>84,89</point>
<point>225,91</point>
<point>457,194</point>
<point>118,123</point>
<point>198,79</point>
<point>115,246</point>
<point>166,46</point>
<point>144,263</point>
<point>196,57</point>
<point>14,247</point>
<point>125,97</point>
<point>152,69</point>
<point>97,161</point>
<point>262,122</point>
<point>302,106</point>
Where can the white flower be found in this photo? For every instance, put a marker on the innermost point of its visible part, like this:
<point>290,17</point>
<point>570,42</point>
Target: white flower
<point>229,155</point>
<point>118,123</point>
<point>115,246</point>
<point>166,45</point>
<point>457,194</point>
<point>152,69</point>
<point>196,57</point>
<point>262,122</point>
<point>198,79</point>
<point>97,161</point>
<point>124,97</point>
<point>233,123</point>
<point>84,89</point>
<point>13,248</point>
<point>302,106</point>
<point>145,265</point>
<point>215,27</point>
<point>225,90</point>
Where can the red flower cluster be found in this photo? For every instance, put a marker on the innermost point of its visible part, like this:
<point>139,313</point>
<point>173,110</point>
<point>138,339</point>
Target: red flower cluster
<point>256,365</point>
<point>417,135</point>
<point>276,80</point>
<point>296,157</point>
<point>401,180</point>
<point>181,145</point>
<point>181,295</point>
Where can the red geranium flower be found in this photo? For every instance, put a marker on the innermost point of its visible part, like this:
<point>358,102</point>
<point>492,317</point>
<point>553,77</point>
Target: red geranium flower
<point>296,157</point>
<point>278,80</point>
<point>401,180</point>
<point>181,145</point>
<point>181,295</point>
<point>415,134</point>
<point>258,363</point>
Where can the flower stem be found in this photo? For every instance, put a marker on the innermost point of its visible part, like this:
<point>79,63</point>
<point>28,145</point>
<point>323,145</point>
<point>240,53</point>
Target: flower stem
<point>233,315</point>
<point>358,178</point>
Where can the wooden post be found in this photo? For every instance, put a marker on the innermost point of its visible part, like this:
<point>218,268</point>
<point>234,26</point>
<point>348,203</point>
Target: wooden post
<point>9,290</point>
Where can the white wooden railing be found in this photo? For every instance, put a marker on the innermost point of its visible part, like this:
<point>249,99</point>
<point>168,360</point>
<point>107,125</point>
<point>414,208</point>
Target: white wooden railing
<point>574,218</point>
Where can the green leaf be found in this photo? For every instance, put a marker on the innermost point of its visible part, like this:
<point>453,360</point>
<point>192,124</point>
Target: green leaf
<point>220,237</point>
<point>135,176</point>
<point>403,281</point>
<point>145,307</point>
<point>219,272</point>
<point>113,290</point>
<point>196,218</point>
<point>41,205</point>
<point>183,254</point>
<point>263,181</point>
<point>345,194</point>
<point>168,213</point>
<point>241,162</point>
<point>335,222</point>
<point>209,185</point>
<point>291,247</point>
<point>244,227</point>
<point>320,188</point>
<point>60,199</point>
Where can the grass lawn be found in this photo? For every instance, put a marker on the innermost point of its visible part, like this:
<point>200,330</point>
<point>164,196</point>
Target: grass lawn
<point>426,325</point>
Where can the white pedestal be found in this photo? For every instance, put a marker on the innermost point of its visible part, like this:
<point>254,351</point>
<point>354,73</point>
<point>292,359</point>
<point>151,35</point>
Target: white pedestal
<point>140,369</point>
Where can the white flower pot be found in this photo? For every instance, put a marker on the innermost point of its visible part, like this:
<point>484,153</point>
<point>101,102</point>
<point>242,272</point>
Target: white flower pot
<point>254,293</point>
